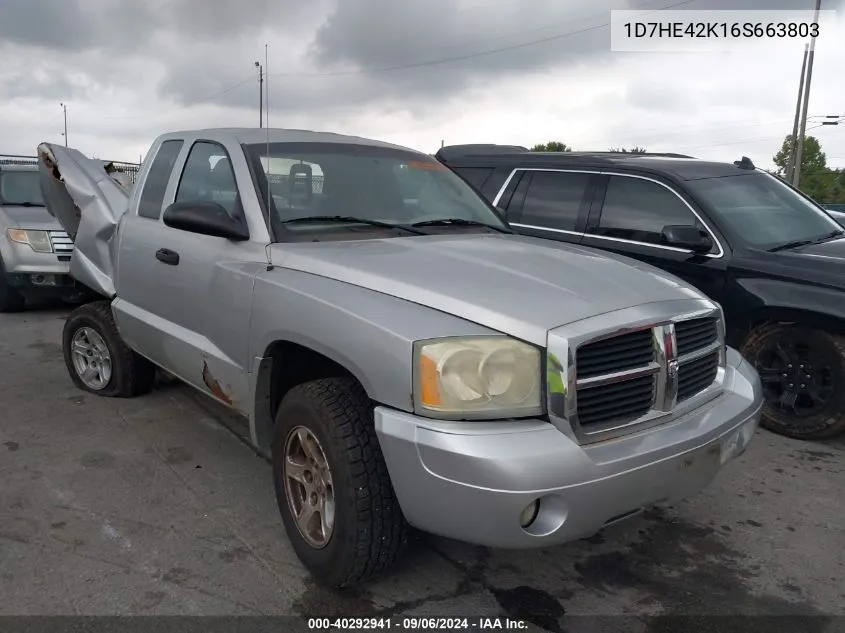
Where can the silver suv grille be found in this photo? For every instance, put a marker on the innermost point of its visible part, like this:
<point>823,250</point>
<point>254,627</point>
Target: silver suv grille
<point>641,375</point>
<point>62,244</point>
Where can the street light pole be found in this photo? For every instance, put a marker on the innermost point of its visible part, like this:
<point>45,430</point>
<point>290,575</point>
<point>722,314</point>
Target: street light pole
<point>64,110</point>
<point>260,94</point>
<point>799,150</point>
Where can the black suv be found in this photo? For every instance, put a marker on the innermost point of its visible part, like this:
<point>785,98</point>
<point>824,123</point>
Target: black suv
<point>773,258</point>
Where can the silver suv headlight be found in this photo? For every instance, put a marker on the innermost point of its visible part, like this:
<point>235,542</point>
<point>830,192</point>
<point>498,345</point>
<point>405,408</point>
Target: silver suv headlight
<point>478,377</point>
<point>39,241</point>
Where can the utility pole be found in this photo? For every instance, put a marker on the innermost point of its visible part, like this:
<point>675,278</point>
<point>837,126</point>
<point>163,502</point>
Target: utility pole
<point>260,94</point>
<point>793,145</point>
<point>64,110</point>
<point>799,150</point>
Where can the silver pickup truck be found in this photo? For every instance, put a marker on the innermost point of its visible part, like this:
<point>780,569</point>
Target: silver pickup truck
<point>401,355</point>
<point>34,249</point>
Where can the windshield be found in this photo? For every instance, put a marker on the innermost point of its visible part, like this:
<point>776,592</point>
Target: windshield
<point>20,188</point>
<point>377,184</point>
<point>761,210</point>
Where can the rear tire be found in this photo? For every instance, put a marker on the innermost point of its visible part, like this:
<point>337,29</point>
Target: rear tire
<point>98,360</point>
<point>802,370</point>
<point>365,531</point>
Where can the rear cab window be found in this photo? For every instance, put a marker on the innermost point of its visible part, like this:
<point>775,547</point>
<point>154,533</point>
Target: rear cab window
<point>155,185</point>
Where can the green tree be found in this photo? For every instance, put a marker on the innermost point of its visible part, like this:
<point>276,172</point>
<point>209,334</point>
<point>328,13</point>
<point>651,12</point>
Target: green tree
<point>817,179</point>
<point>551,146</point>
<point>633,150</point>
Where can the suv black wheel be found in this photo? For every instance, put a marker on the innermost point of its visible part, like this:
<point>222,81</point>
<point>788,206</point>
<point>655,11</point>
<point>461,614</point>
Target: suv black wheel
<point>97,358</point>
<point>332,486</point>
<point>802,370</point>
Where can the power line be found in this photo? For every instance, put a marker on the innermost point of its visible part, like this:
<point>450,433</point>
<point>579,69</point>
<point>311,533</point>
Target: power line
<point>455,58</point>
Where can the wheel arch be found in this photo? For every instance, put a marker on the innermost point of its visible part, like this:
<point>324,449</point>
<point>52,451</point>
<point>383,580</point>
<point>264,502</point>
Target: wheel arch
<point>284,365</point>
<point>782,314</point>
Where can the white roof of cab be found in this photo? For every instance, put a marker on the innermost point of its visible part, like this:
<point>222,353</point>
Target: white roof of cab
<point>278,135</point>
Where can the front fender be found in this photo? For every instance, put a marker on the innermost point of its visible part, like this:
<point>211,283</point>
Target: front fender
<point>369,333</point>
<point>785,295</point>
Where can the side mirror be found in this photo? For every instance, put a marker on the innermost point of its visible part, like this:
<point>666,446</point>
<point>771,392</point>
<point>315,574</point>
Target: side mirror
<point>205,218</point>
<point>685,236</point>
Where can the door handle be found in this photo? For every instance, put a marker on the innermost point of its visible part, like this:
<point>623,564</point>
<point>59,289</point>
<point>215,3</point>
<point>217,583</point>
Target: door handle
<point>167,256</point>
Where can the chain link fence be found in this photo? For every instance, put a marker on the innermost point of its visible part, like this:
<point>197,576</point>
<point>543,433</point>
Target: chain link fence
<point>130,169</point>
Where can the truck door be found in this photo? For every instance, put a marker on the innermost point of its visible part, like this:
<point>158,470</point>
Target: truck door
<point>200,292</point>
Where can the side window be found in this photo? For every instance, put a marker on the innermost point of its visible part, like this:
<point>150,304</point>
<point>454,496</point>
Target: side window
<point>513,205</point>
<point>208,177</point>
<point>475,176</point>
<point>554,199</point>
<point>638,209</point>
<point>152,197</point>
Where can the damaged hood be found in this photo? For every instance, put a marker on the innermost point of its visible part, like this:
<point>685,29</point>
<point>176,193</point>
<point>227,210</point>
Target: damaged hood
<point>516,284</point>
<point>88,201</point>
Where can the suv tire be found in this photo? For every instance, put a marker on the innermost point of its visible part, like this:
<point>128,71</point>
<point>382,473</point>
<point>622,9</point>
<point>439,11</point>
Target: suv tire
<point>10,299</point>
<point>802,370</point>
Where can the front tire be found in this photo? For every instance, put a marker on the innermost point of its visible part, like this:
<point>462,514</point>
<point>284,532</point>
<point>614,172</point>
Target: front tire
<point>98,360</point>
<point>10,299</point>
<point>802,370</point>
<point>332,486</point>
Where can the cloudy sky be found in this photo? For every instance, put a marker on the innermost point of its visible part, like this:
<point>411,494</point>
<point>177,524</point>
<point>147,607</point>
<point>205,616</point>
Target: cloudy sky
<point>407,71</point>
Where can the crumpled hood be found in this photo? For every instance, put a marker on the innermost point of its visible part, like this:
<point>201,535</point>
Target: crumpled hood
<point>75,186</point>
<point>33,218</point>
<point>520,285</point>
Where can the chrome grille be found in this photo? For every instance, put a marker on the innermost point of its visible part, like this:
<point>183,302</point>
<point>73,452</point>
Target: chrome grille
<point>62,244</point>
<point>631,377</point>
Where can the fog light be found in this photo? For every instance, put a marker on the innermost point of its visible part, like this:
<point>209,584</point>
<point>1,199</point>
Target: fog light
<point>527,516</point>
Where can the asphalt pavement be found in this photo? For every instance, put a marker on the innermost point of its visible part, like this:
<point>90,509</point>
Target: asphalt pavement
<point>157,506</point>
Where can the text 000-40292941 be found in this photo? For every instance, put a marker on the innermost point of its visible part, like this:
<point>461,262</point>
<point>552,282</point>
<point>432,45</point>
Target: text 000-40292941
<point>416,623</point>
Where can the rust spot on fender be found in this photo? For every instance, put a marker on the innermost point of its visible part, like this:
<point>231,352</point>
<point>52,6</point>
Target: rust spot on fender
<point>214,386</point>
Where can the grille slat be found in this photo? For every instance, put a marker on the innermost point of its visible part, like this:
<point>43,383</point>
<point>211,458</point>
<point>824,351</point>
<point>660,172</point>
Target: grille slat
<point>627,351</point>
<point>62,244</point>
<point>695,334</point>
<point>622,401</point>
<point>697,375</point>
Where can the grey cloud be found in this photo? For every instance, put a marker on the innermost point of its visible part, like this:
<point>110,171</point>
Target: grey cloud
<point>356,51</point>
<point>77,25</point>
<point>657,95</point>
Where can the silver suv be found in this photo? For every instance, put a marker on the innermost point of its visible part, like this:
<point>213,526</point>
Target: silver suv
<point>34,248</point>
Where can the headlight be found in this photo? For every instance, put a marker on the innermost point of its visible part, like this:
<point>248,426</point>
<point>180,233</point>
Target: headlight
<point>39,241</point>
<point>477,377</point>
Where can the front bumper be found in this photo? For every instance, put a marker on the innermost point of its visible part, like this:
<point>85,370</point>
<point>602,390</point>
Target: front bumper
<point>471,481</point>
<point>34,273</point>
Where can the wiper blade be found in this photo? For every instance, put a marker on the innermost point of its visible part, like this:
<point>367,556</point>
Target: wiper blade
<point>23,204</point>
<point>349,219</point>
<point>799,243</point>
<point>460,222</point>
